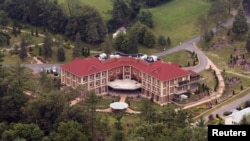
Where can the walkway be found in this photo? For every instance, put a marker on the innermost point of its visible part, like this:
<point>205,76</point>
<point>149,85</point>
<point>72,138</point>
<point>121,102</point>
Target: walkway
<point>215,95</point>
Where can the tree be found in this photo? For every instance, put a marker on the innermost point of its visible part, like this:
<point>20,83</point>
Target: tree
<point>77,48</point>
<point>13,102</point>
<point>148,111</point>
<point>45,83</point>
<point>47,43</point>
<point>61,54</point>
<point>23,51</point>
<point>1,58</point>
<point>146,18</point>
<point>74,7</point>
<point>32,32</point>
<point>45,109</point>
<point>91,101</point>
<point>12,97</point>
<point>14,30</point>
<point>89,24</point>
<point>40,52</point>
<point>4,20</point>
<point>245,120</point>
<point>28,132</point>
<point>201,122</point>
<point>120,12</point>
<point>248,43</point>
<point>69,131</point>
<point>36,33</point>
<point>183,134</point>
<point>119,40</point>
<point>150,132</point>
<point>135,6</point>
<point>4,37</point>
<point>199,134</point>
<point>132,43</point>
<point>142,29</point>
<point>162,41</point>
<point>168,41</point>
<point>240,26</point>
<point>149,39</point>
<point>107,45</point>
<point>118,134</point>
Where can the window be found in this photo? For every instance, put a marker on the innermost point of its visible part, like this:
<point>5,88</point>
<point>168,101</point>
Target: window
<point>103,89</point>
<point>171,82</point>
<point>79,80</point>
<point>97,83</point>
<point>118,71</point>
<point>103,74</point>
<point>97,76</point>
<point>103,81</point>
<point>84,79</point>
<point>127,77</point>
<point>139,74</point>
<point>149,86</point>
<point>91,77</point>
<point>158,90</point>
<point>126,69</point>
<point>110,72</point>
<point>91,85</point>
<point>149,78</point>
<point>135,72</point>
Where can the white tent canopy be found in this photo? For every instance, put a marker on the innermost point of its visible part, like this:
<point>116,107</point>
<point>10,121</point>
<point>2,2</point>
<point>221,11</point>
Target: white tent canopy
<point>118,105</point>
<point>125,84</point>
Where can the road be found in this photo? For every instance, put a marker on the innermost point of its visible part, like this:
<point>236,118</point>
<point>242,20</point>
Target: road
<point>191,46</point>
<point>231,106</point>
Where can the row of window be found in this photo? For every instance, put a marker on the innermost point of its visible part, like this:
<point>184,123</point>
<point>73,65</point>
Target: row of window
<point>91,77</point>
<point>126,70</point>
<point>97,83</point>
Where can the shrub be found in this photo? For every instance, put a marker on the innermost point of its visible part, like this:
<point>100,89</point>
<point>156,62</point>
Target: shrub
<point>211,117</point>
<point>226,113</point>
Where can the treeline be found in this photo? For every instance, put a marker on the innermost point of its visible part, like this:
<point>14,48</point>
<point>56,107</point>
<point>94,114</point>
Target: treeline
<point>51,16</point>
<point>153,3</point>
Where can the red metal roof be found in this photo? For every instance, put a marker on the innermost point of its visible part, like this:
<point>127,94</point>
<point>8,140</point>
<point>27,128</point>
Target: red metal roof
<point>158,69</point>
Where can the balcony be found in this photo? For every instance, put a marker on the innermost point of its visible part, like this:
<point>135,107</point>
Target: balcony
<point>182,83</point>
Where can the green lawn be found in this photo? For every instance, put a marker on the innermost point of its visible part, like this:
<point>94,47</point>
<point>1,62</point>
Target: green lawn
<point>209,78</point>
<point>177,19</point>
<point>181,57</point>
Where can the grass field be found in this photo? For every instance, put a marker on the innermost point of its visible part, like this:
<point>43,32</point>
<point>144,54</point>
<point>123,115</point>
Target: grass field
<point>181,57</point>
<point>177,19</point>
<point>209,78</point>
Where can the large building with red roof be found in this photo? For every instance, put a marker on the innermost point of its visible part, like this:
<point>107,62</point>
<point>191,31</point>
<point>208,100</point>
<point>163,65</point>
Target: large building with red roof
<point>157,80</point>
